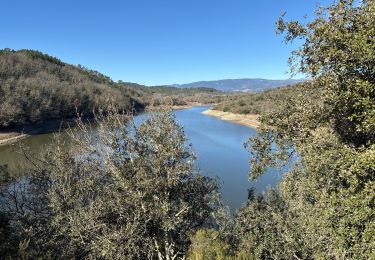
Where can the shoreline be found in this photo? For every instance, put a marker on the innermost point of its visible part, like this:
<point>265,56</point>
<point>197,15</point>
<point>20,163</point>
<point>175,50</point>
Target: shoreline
<point>249,120</point>
<point>11,136</point>
<point>7,138</point>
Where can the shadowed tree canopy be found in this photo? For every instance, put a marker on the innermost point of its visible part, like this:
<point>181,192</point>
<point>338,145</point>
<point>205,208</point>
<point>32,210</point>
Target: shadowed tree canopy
<point>324,207</point>
<point>328,195</point>
<point>339,53</point>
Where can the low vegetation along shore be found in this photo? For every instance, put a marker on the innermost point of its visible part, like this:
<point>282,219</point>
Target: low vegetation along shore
<point>250,120</point>
<point>36,88</point>
<point>16,134</point>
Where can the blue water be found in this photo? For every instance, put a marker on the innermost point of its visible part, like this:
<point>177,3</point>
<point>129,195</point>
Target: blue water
<point>217,144</point>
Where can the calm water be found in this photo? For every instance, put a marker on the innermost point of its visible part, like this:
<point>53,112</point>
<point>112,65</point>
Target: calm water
<point>220,151</point>
<point>218,145</point>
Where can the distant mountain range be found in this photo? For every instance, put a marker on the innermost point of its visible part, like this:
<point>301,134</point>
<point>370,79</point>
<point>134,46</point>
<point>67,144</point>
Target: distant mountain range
<point>241,85</point>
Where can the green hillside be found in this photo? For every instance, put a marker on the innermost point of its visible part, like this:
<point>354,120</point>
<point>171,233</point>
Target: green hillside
<point>35,87</point>
<point>263,102</point>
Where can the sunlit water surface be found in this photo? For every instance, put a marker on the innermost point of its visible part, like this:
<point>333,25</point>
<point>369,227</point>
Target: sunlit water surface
<point>217,144</point>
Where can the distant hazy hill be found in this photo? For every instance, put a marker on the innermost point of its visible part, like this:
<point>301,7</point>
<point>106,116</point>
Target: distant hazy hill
<point>243,85</point>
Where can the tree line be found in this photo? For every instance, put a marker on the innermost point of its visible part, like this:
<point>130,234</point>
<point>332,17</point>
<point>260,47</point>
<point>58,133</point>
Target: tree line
<point>35,88</point>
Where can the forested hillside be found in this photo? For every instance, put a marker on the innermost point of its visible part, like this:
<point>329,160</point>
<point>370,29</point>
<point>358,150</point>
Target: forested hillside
<point>266,101</point>
<point>35,87</point>
<point>172,96</point>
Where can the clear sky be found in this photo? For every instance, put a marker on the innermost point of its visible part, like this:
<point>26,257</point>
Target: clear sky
<point>157,41</point>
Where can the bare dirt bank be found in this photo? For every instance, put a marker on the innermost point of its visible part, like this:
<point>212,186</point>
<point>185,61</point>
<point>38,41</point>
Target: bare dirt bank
<point>249,120</point>
<point>11,137</point>
<point>14,135</point>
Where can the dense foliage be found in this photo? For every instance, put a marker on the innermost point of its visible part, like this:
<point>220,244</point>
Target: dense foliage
<point>338,53</point>
<point>116,194</point>
<point>173,96</point>
<point>262,102</point>
<point>325,207</point>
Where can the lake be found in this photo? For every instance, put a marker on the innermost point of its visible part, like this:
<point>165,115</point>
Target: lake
<point>217,144</point>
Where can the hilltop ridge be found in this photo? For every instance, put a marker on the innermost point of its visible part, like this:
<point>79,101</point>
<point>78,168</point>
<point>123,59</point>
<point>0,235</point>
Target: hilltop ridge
<point>35,87</point>
<point>242,85</point>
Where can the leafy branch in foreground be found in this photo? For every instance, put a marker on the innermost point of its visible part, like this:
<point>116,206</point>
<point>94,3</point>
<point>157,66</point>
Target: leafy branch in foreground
<point>120,191</point>
<point>338,52</point>
<point>328,195</point>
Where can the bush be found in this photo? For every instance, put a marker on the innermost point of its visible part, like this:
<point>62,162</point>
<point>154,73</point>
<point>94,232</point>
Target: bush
<point>117,193</point>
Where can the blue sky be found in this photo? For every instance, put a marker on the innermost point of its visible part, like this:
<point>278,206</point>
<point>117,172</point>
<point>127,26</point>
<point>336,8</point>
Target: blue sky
<point>157,41</point>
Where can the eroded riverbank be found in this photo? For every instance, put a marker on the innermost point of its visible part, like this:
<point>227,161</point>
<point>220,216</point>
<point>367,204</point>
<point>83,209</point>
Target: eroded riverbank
<point>12,136</point>
<point>18,133</point>
<point>249,120</point>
